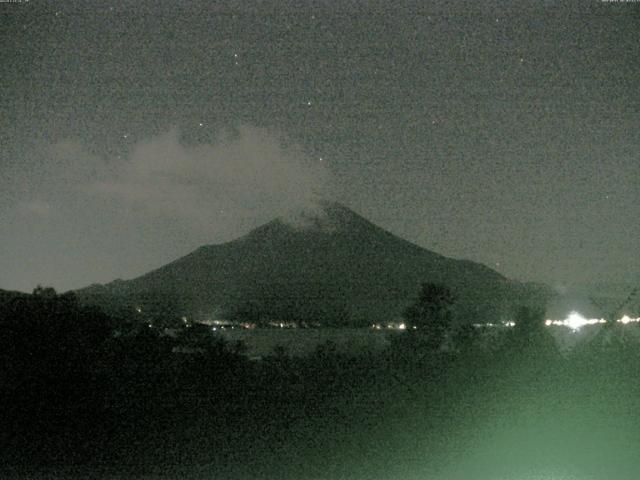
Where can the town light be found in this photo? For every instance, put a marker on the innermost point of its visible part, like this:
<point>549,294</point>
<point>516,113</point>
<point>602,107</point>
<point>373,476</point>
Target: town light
<point>575,321</point>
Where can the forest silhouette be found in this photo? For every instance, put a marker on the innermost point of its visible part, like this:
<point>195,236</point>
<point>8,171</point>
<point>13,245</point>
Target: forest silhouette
<point>83,390</point>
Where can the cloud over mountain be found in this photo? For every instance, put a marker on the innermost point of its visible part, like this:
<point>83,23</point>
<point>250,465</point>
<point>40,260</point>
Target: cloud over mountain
<point>100,215</point>
<point>249,172</point>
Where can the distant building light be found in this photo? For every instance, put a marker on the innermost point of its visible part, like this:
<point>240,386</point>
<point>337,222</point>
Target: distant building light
<point>626,319</point>
<point>574,321</point>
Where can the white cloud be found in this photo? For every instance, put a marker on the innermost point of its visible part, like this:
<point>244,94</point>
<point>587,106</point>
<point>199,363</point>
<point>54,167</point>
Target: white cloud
<point>248,175</point>
<point>96,218</point>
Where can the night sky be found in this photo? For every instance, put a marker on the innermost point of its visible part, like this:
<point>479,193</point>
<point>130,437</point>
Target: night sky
<point>507,133</point>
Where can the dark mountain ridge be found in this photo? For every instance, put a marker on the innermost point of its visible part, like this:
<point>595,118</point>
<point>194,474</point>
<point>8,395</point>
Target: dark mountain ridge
<point>327,265</point>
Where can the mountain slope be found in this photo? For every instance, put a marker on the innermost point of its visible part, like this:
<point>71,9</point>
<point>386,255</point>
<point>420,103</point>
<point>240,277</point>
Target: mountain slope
<point>329,265</point>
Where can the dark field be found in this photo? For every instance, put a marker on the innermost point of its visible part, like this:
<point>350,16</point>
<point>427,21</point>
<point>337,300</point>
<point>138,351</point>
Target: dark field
<point>78,403</point>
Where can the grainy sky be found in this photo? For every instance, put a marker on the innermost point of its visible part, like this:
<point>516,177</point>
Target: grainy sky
<point>503,132</point>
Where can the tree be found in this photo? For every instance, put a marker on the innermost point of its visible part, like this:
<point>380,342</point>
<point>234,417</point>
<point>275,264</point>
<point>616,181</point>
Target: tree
<point>614,339</point>
<point>529,321</point>
<point>611,315</point>
<point>529,338</point>
<point>431,313</point>
<point>51,352</point>
<point>465,337</point>
<point>48,293</point>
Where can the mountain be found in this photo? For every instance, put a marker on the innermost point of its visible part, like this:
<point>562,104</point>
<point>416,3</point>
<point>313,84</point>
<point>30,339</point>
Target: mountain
<point>326,264</point>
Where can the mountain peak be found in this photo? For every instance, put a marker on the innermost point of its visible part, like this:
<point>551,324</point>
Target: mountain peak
<point>323,215</point>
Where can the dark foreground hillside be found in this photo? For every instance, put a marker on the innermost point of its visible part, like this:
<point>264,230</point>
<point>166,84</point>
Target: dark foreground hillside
<point>78,402</point>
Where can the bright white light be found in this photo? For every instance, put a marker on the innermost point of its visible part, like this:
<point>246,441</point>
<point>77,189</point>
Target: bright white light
<point>402,326</point>
<point>626,319</point>
<point>575,321</point>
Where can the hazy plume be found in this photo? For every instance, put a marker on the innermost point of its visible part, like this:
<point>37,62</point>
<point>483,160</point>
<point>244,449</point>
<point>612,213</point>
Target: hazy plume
<point>249,173</point>
<point>158,199</point>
